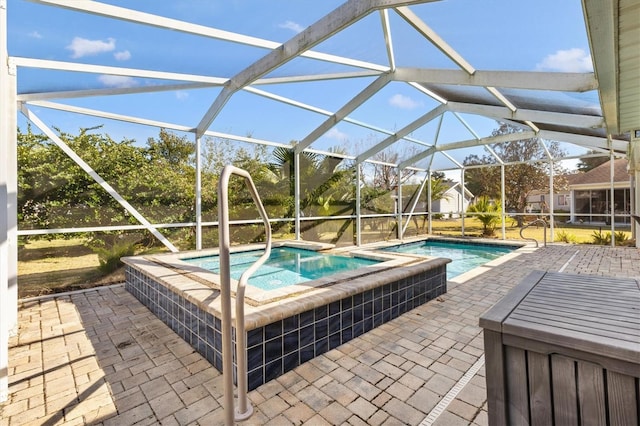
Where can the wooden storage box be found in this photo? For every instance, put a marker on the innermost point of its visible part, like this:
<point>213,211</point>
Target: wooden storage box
<point>564,349</point>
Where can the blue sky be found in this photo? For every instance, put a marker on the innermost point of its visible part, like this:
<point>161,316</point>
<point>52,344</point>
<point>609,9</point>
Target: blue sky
<point>545,35</point>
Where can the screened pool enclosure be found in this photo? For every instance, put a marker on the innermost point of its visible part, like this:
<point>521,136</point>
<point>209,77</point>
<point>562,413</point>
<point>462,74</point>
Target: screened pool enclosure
<point>348,115</point>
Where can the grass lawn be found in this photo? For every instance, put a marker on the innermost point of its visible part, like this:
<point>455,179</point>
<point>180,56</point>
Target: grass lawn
<point>579,234</point>
<point>59,265</point>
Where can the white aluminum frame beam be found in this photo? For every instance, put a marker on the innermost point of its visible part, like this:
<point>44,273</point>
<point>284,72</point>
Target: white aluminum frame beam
<point>529,80</point>
<point>467,144</point>
<point>321,111</point>
<point>68,94</point>
<point>316,77</point>
<point>87,93</point>
<point>178,127</point>
<point>588,141</point>
<point>601,143</point>
<point>121,71</point>
<point>417,23</point>
<point>130,15</point>
<point>475,135</point>
<point>413,20</point>
<point>415,202</point>
<point>8,205</point>
<point>37,99</point>
<point>388,41</point>
<point>348,108</point>
<point>110,116</point>
<point>416,124</point>
<point>420,88</point>
<point>500,112</point>
<point>340,18</point>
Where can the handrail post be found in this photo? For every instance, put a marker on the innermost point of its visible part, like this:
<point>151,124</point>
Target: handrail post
<point>244,410</point>
<point>544,224</point>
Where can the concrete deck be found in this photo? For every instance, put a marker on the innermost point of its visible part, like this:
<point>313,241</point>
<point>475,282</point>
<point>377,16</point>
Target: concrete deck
<point>100,357</point>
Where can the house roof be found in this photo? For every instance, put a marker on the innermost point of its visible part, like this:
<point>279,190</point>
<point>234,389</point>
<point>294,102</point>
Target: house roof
<point>456,186</point>
<point>601,174</point>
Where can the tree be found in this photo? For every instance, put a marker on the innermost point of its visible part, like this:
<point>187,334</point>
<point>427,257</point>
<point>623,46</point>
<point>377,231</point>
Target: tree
<point>322,183</point>
<point>177,151</point>
<point>319,177</point>
<point>521,178</point>
<point>482,180</point>
<point>55,192</point>
<point>381,178</point>
<point>487,212</point>
<point>589,163</point>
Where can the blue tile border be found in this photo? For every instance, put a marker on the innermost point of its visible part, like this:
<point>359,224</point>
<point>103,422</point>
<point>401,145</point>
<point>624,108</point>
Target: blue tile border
<point>276,348</point>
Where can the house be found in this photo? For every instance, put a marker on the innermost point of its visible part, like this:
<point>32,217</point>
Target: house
<point>587,195</point>
<point>590,193</point>
<point>453,201</point>
<point>538,201</point>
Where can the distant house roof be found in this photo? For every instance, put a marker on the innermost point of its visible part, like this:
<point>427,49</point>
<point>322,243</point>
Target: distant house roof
<point>601,174</point>
<point>456,187</point>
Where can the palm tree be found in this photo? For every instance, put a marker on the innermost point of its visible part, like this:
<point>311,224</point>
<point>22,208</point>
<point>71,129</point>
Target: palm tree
<point>320,179</point>
<point>487,212</point>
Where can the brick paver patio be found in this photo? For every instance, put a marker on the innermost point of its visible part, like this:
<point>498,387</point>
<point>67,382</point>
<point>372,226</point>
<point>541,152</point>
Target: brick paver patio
<point>100,357</point>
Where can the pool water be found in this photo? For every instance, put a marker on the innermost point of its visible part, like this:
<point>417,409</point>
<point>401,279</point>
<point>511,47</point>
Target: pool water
<point>464,257</point>
<point>285,267</point>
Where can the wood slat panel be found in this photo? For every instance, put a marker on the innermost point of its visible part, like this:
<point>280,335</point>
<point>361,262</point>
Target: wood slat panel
<point>581,307</point>
<point>591,394</point>
<point>577,294</point>
<point>539,389</point>
<point>517,389</point>
<point>494,367</point>
<point>606,320</point>
<point>589,325</point>
<point>571,348</point>
<point>623,400</point>
<point>585,341</point>
<point>565,400</point>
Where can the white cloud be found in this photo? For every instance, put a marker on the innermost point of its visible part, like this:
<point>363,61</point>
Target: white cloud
<point>181,96</point>
<point>83,47</point>
<point>290,25</point>
<point>337,134</point>
<point>125,55</point>
<point>117,81</point>
<point>572,60</point>
<point>34,34</point>
<point>403,102</point>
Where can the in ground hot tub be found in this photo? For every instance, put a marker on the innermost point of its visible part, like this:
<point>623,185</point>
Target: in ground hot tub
<point>288,325</point>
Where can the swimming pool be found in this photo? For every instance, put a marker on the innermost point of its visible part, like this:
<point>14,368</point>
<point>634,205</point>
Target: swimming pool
<point>285,267</point>
<point>464,256</point>
<point>290,325</point>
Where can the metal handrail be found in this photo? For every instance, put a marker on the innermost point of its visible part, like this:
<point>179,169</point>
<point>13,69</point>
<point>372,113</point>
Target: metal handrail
<point>544,223</point>
<point>244,409</point>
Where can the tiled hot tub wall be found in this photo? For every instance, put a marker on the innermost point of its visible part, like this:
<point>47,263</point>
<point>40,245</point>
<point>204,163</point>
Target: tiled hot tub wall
<point>283,345</point>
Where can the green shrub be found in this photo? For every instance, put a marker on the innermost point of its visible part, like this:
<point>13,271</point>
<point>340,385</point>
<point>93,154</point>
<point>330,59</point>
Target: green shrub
<point>565,237</point>
<point>601,238</point>
<point>487,212</point>
<point>109,258</point>
<point>620,237</point>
